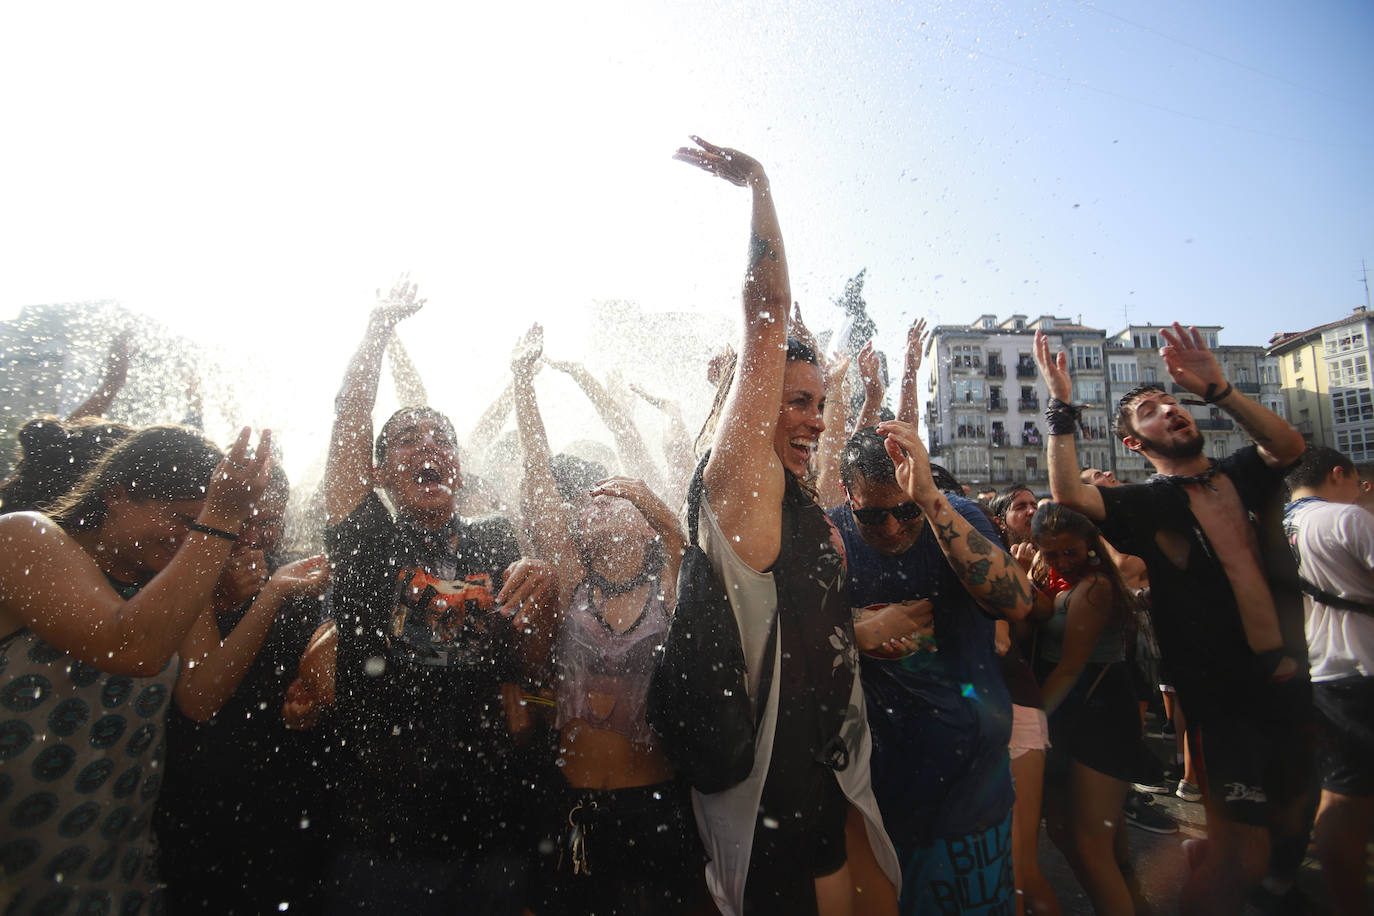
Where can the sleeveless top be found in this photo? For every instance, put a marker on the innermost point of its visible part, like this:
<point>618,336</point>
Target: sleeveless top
<point>593,658</point>
<point>80,767</point>
<point>1111,642</point>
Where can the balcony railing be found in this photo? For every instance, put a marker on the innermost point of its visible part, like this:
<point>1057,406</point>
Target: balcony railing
<point>1218,423</point>
<point>1247,387</point>
<point>1028,405</point>
<point>1032,440</point>
<point>1025,370</point>
<point>996,370</point>
<point>997,404</point>
<point>999,440</point>
<point>969,432</point>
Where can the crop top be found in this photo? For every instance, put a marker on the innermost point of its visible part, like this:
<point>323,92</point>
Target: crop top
<point>594,659</point>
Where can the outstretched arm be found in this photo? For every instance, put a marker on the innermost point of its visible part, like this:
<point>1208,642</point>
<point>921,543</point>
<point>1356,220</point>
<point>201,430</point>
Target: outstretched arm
<point>743,476</point>
<point>908,400</point>
<point>348,470</point>
<point>1194,367</point>
<point>829,484</point>
<point>405,378</point>
<point>677,446</point>
<point>661,518</point>
<point>1066,486</point>
<point>488,425</point>
<point>629,444</point>
<point>992,577</point>
<point>211,668</point>
<point>116,373</point>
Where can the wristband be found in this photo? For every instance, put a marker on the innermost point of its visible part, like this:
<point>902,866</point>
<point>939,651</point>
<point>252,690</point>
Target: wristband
<point>1211,398</point>
<point>217,532</point>
<point>1061,418</point>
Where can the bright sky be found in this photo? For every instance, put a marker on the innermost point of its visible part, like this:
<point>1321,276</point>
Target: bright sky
<point>259,169</point>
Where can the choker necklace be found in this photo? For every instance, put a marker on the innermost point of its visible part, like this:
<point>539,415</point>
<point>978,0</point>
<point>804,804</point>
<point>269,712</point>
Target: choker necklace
<point>1182,480</point>
<point>651,567</point>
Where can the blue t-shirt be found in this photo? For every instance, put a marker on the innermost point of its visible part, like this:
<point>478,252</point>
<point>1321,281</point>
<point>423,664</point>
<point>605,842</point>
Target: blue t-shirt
<point>940,720</point>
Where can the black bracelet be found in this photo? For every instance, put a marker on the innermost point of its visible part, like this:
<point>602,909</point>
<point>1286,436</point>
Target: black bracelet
<point>1212,399</point>
<point>1060,417</point>
<point>217,532</point>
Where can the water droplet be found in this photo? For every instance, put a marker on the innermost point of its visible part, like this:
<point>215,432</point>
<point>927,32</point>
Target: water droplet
<point>374,666</point>
<point>770,823</point>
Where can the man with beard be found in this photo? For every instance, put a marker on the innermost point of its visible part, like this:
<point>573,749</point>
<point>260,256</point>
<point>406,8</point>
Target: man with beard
<point>1214,611</point>
<point>434,614</point>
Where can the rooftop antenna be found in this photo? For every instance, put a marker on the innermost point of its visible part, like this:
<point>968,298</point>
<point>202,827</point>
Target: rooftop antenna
<point>1364,269</point>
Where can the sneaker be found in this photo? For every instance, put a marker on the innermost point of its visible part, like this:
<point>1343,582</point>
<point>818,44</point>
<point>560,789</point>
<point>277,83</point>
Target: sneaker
<point>1156,787</point>
<point>1142,812</point>
<point>1167,729</point>
<point>1188,792</point>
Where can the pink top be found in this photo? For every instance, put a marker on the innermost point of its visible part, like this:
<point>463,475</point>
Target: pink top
<point>603,676</point>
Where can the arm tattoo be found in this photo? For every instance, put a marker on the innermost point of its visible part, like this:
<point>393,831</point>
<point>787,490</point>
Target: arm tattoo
<point>978,544</point>
<point>978,572</point>
<point>1005,592</point>
<point>760,249</point>
<point>946,533</point>
<point>1259,437</point>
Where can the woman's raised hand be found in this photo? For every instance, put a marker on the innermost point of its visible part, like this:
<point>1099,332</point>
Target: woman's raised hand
<point>732,165</point>
<point>239,478</point>
<point>400,303</point>
<point>524,359</point>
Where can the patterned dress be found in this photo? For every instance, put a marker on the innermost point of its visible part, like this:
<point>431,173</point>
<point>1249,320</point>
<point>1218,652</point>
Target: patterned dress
<point>80,767</point>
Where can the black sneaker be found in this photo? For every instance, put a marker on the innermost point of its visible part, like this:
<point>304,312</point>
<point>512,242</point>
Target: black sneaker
<point>1141,811</point>
<point>1167,729</point>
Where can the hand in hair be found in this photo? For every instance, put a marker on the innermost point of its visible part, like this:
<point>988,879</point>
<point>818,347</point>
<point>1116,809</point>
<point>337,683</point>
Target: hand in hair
<point>911,460</point>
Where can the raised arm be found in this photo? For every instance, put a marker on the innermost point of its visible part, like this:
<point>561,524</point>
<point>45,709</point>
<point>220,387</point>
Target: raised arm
<point>660,517</point>
<point>489,424</point>
<point>992,577</point>
<point>629,444</point>
<point>677,446</point>
<point>405,378</point>
<point>348,470</point>
<point>1194,367</point>
<point>116,373</point>
<point>550,524</point>
<point>829,484</point>
<point>211,668</point>
<point>870,371</point>
<point>908,398</point>
<point>1090,609</point>
<point>51,584</point>
<point>744,477</point>
<point>1066,486</point>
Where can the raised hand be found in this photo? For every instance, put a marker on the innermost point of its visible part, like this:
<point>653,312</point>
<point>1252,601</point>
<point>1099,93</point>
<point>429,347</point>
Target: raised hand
<point>524,359</point>
<point>239,479</point>
<point>668,407</point>
<point>242,578</point>
<point>870,371</point>
<point>915,345</point>
<point>1190,363</point>
<point>400,303</point>
<point>732,165</point>
<point>1054,369</point>
<point>528,586</point>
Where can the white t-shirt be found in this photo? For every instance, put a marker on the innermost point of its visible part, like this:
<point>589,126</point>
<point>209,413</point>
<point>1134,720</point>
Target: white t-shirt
<point>1334,544</point>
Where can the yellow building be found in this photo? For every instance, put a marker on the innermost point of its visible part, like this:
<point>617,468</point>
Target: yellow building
<point>1326,382</point>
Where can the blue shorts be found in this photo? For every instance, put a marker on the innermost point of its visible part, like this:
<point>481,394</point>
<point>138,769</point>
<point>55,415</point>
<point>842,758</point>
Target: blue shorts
<point>969,875</point>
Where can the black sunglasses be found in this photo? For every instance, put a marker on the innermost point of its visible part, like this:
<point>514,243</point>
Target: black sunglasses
<point>875,515</point>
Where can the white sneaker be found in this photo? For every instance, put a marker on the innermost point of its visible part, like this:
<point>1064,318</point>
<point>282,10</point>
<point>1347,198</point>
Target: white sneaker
<point>1188,792</point>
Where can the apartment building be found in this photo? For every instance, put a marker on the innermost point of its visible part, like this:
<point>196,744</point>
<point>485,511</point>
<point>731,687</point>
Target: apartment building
<point>1326,381</point>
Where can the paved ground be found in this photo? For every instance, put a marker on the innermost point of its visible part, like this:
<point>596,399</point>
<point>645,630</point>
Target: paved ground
<point>1159,862</point>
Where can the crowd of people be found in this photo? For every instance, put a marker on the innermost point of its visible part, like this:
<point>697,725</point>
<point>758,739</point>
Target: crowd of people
<point>457,706</point>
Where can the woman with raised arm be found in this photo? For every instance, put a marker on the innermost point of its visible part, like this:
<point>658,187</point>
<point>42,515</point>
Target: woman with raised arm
<point>802,833</point>
<point>96,601</point>
<point>625,839</point>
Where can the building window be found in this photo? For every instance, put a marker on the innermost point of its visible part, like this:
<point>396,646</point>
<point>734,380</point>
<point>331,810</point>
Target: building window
<point>1123,372</point>
<point>1088,393</point>
<point>1302,391</point>
<point>1356,444</point>
<point>1352,406</point>
<point>1348,372</point>
<point>968,391</point>
<point>1343,340</point>
<point>1087,357</point>
<point>1148,375</point>
<point>1297,362</point>
<point>966,356</point>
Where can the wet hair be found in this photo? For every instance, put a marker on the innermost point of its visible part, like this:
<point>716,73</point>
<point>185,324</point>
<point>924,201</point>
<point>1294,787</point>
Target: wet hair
<point>865,455</point>
<point>405,413</point>
<point>53,456</point>
<point>1315,465</point>
<point>1123,420</point>
<point>1053,518</point>
<point>1002,504</point>
<point>574,476</point>
<point>945,482</point>
<point>797,351</point>
<point>164,463</point>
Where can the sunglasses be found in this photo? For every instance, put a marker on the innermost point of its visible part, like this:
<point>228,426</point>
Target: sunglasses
<point>876,515</point>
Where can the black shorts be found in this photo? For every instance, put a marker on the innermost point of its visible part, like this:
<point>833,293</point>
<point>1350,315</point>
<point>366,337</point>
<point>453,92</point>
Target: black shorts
<point>1097,725</point>
<point>1258,755</point>
<point>638,851</point>
<point>1345,729</point>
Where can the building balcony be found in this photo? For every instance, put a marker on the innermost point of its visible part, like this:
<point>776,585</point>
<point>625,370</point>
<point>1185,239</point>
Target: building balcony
<point>999,440</point>
<point>996,370</point>
<point>1031,440</point>
<point>969,432</point>
<point>1304,427</point>
<point>1025,370</point>
<point>1247,387</point>
<point>1028,405</point>
<point>997,405</point>
<point>1220,423</point>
